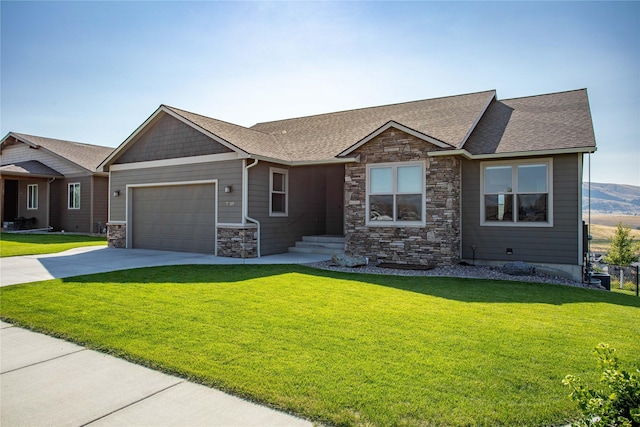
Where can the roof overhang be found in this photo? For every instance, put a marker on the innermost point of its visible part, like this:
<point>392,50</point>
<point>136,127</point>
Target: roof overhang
<point>393,124</point>
<point>29,169</point>
<point>164,110</point>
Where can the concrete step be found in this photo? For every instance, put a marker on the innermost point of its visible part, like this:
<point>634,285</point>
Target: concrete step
<point>324,239</point>
<point>316,250</point>
<point>305,244</point>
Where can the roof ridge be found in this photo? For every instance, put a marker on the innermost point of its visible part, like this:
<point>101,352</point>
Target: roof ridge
<point>374,107</point>
<point>543,94</point>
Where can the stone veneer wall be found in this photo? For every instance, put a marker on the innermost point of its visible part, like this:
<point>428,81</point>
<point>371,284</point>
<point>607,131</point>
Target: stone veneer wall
<point>238,242</point>
<point>117,235</point>
<point>436,244</point>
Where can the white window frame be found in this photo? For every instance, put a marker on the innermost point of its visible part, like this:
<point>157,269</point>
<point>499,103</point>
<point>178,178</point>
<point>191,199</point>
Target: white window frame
<point>514,180</point>
<point>32,197</point>
<point>285,192</point>
<point>71,202</point>
<point>394,222</point>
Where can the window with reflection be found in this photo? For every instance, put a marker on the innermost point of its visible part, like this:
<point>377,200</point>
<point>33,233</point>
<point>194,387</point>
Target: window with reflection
<point>395,193</point>
<point>516,193</point>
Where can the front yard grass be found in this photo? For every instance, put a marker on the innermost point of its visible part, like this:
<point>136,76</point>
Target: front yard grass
<point>14,244</point>
<point>346,349</point>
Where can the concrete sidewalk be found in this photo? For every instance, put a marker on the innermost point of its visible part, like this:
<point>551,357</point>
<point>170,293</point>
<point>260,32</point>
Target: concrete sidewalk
<point>47,381</point>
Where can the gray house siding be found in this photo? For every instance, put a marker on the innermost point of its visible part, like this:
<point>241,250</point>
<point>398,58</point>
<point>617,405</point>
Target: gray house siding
<point>307,210</point>
<point>553,245</point>
<point>71,220</point>
<point>169,138</point>
<point>226,172</point>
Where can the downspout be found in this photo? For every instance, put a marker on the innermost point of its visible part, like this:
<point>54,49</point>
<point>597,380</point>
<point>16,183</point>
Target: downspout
<point>245,198</point>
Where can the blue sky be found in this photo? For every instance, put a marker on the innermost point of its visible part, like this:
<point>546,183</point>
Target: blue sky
<point>94,71</point>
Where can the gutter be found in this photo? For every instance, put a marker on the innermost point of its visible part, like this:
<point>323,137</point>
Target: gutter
<point>245,198</point>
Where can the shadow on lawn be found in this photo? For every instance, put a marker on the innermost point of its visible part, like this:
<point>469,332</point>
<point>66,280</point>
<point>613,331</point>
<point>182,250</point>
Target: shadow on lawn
<point>452,288</point>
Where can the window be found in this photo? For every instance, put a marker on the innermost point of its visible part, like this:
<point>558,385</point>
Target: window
<point>278,186</point>
<point>395,194</point>
<point>74,196</point>
<point>517,193</point>
<point>32,196</point>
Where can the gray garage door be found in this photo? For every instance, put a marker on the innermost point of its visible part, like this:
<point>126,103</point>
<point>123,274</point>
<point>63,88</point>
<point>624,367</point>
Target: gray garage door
<point>174,218</point>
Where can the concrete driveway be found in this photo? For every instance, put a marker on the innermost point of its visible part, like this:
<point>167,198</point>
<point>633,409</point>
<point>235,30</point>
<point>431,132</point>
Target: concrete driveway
<point>99,259</point>
<point>45,381</point>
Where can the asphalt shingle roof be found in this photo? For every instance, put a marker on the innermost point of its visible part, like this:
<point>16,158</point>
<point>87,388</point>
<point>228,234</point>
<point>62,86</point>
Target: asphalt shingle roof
<point>324,136</point>
<point>478,123</point>
<point>85,155</point>
<point>536,123</point>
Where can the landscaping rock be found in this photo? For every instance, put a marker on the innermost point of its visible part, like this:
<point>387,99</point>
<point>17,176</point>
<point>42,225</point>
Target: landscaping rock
<point>519,268</point>
<point>349,261</point>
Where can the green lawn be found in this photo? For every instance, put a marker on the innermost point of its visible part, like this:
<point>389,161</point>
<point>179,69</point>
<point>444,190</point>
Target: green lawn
<point>14,244</point>
<point>346,349</point>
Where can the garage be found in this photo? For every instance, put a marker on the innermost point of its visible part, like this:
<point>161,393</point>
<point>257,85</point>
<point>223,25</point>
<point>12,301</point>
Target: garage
<point>174,217</point>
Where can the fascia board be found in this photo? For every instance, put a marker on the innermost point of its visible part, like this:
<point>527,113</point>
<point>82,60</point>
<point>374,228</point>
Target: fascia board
<point>177,161</point>
<point>475,123</point>
<point>470,156</point>
<point>401,127</point>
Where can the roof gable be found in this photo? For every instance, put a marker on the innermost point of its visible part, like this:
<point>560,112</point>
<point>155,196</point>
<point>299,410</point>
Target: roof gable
<point>167,137</point>
<point>86,156</point>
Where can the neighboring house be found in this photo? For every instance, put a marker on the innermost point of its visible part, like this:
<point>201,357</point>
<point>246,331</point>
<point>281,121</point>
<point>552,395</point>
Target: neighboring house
<point>50,183</point>
<point>429,182</point>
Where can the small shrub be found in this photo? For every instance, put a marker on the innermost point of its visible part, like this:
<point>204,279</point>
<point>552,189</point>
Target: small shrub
<point>617,404</point>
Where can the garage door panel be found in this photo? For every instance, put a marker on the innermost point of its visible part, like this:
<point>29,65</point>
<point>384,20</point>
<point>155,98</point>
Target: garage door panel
<point>175,218</point>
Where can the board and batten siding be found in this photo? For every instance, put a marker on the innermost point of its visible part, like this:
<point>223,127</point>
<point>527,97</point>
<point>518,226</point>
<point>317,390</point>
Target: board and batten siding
<point>306,210</point>
<point>226,172</point>
<point>39,214</point>
<point>71,220</point>
<point>169,138</point>
<point>550,245</point>
<point>100,203</point>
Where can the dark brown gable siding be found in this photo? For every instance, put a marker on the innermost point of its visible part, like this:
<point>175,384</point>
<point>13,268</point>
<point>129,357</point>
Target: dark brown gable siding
<point>169,138</point>
<point>100,202</point>
<point>71,220</point>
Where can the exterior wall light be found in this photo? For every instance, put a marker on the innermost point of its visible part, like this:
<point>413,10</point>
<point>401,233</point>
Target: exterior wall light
<point>116,193</point>
<point>228,189</point>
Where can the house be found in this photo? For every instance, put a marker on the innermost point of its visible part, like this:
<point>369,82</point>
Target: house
<point>431,182</point>
<point>52,184</point>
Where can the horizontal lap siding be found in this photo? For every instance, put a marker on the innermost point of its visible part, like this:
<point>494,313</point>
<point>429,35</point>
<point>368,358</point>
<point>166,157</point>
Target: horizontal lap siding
<point>307,206</point>
<point>227,173</point>
<point>556,245</point>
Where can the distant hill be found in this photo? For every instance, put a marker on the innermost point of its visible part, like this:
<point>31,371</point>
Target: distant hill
<point>612,198</point>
